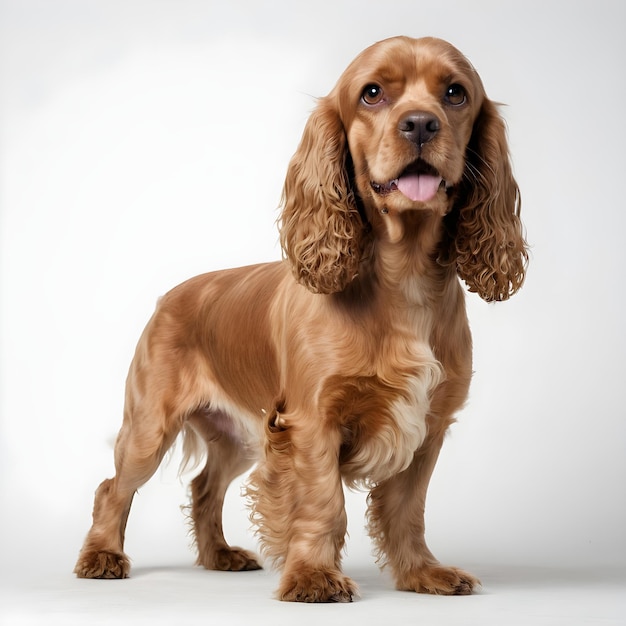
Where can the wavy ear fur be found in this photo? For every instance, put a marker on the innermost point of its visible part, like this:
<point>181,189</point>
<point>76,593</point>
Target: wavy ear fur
<point>491,253</point>
<point>320,227</point>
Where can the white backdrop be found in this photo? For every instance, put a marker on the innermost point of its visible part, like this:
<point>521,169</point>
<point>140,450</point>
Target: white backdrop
<point>145,142</point>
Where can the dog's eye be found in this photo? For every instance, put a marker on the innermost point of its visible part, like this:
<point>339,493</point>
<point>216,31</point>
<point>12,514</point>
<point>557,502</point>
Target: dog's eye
<point>372,94</point>
<point>455,95</point>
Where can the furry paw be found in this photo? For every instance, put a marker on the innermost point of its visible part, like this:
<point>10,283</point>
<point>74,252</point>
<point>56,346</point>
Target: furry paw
<point>439,580</point>
<point>305,584</point>
<point>94,564</point>
<point>230,560</point>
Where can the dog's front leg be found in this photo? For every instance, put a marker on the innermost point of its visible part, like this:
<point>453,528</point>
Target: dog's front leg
<point>298,505</point>
<point>396,521</point>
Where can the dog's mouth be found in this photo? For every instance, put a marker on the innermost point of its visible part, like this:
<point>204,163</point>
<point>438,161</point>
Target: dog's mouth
<point>419,182</point>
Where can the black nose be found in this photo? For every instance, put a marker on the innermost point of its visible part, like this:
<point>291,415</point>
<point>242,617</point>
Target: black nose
<point>419,127</point>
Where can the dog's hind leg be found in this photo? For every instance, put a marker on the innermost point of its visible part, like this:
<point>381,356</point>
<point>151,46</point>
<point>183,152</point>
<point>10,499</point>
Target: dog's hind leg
<point>227,458</point>
<point>159,394</point>
<point>140,447</point>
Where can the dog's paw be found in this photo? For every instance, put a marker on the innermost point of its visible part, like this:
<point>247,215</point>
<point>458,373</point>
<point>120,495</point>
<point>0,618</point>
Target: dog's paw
<point>231,560</point>
<point>102,564</point>
<point>439,580</point>
<point>306,584</point>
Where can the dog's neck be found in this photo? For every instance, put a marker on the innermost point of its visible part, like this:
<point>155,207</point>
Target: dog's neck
<point>405,252</point>
<point>400,266</point>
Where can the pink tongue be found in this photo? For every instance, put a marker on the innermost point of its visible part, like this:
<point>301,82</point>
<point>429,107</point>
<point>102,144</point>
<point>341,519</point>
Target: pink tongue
<point>419,187</point>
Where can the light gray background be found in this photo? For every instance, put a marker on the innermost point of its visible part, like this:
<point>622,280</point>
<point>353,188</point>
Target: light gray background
<point>145,142</point>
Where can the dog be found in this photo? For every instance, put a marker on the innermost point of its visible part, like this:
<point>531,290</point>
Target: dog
<point>346,361</point>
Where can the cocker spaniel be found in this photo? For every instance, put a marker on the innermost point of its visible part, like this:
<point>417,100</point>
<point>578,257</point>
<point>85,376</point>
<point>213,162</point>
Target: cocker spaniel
<point>346,361</point>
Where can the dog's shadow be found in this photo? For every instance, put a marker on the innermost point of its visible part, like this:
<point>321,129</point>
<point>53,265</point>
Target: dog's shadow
<point>374,583</point>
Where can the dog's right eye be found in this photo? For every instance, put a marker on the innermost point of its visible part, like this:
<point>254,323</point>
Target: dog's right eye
<point>372,94</point>
<point>455,95</point>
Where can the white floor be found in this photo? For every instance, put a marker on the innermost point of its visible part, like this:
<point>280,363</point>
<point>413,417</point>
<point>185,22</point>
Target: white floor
<point>183,594</point>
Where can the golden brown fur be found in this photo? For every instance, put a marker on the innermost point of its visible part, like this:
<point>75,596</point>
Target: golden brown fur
<point>347,361</point>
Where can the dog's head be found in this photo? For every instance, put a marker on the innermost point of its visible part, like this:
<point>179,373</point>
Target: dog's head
<point>407,127</point>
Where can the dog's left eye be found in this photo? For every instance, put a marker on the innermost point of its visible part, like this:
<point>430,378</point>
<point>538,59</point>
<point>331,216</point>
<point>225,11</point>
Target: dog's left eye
<point>455,95</point>
<point>372,94</point>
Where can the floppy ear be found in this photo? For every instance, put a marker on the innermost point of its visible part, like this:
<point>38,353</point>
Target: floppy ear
<point>320,227</point>
<point>491,253</point>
